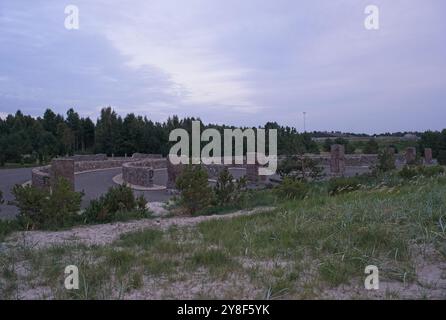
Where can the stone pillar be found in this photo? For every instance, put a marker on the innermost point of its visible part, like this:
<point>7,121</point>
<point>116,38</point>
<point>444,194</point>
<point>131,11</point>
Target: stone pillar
<point>252,168</point>
<point>337,160</point>
<point>428,156</point>
<point>150,178</point>
<point>252,173</point>
<point>62,168</point>
<point>411,155</point>
<point>173,171</point>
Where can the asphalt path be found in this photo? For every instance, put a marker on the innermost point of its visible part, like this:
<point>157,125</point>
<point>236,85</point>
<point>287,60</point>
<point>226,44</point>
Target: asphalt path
<point>9,178</point>
<point>93,184</point>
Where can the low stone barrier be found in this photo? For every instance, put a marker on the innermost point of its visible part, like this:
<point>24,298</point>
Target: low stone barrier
<point>141,173</point>
<point>351,160</point>
<point>40,177</point>
<point>100,165</point>
<point>89,157</point>
<point>146,155</point>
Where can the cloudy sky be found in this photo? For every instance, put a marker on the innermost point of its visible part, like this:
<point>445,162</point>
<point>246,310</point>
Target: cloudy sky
<point>230,61</point>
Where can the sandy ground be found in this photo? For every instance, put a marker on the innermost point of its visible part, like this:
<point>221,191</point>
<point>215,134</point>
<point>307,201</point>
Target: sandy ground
<point>107,233</point>
<point>430,269</point>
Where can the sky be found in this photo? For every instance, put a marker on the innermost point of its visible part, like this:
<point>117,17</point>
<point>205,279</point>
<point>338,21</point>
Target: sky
<point>230,61</point>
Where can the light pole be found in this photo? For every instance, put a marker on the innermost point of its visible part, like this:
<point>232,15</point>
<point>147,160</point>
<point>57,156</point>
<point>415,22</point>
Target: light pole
<point>305,121</point>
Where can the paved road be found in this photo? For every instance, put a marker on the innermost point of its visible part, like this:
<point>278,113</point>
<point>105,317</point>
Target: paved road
<point>9,178</point>
<point>93,184</point>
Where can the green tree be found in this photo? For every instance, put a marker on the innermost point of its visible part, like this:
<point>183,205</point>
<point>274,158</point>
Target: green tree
<point>196,194</point>
<point>371,147</point>
<point>41,209</point>
<point>227,191</point>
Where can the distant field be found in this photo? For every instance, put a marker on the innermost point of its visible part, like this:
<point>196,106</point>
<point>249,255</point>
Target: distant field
<point>19,165</point>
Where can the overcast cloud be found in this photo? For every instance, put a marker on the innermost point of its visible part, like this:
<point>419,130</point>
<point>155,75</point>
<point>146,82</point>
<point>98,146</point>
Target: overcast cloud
<point>230,61</point>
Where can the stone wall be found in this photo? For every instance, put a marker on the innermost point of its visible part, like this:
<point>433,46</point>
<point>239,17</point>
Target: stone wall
<point>99,165</point>
<point>89,157</point>
<point>141,173</point>
<point>40,177</point>
<point>146,155</point>
<point>213,170</point>
<point>351,160</point>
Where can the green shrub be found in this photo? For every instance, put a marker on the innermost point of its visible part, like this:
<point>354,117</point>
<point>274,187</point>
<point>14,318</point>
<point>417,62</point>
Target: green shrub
<point>433,171</point>
<point>409,172</point>
<point>120,198</point>
<point>194,187</point>
<point>228,192</point>
<point>291,189</point>
<point>141,203</point>
<point>343,185</point>
<point>7,227</point>
<point>386,161</point>
<point>371,147</point>
<point>117,204</point>
<point>41,209</point>
<point>299,167</point>
<point>442,157</point>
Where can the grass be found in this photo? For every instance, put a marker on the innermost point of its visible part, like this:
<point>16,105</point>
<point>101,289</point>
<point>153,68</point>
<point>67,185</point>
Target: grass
<point>7,227</point>
<point>298,250</point>
<point>251,199</point>
<point>20,165</point>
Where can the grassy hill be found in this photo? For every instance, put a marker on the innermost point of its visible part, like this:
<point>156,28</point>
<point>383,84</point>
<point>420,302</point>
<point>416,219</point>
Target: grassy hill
<point>312,248</point>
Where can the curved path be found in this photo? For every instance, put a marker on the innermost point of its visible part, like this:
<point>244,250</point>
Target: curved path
<point>96,183</point>
<point>103,234</point>
<point>93,183</point>
<point>8,179</point>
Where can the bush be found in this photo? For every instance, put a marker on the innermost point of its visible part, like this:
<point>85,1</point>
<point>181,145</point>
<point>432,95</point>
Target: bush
<point>343,185</point>
<point>291,189</point>
<point>120,198</point>
<point>1,197</point>
<point>432,171</point>
<point>371,147</point>
<point>40,209</point>
<point>386,161</point>
<point>228,192</point>
<point>409,172</point>
<point>442,157</point>
<point>7,227</point>
<point>195,191</point>
<point>299,167</point>
<point>141,203</point>
<point>118,203</point>
<point>349,147</point>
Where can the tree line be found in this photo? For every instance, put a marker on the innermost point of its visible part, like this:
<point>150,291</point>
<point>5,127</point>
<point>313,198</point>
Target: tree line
<point>26,139</point>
